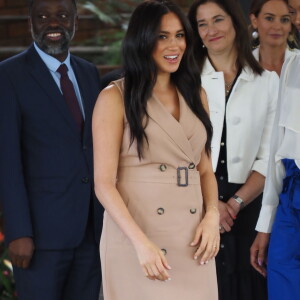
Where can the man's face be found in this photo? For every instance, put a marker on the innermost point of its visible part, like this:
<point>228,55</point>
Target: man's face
<point>53,25</point>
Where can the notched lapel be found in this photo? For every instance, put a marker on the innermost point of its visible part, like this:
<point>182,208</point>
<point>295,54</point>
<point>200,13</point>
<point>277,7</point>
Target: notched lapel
<point>84,92</point>
<point>41,74</point>
<point>170,125</point>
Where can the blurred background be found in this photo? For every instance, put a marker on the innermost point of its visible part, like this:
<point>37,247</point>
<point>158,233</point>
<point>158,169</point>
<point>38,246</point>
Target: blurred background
<point>102,26</point>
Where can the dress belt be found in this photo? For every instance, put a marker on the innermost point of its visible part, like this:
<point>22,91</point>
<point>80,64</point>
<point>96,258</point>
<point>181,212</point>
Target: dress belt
<point>182,176</point>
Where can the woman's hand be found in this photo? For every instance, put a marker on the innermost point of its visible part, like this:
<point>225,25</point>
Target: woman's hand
<point>153,261</point>
<point>207,236</point>
<point>226,220</point>
<point>258,253</point>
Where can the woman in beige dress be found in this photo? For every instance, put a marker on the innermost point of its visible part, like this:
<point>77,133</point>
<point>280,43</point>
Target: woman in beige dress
<point>153,170</point>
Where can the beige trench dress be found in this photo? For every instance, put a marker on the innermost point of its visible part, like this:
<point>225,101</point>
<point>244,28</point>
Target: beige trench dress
<point>166,212</point>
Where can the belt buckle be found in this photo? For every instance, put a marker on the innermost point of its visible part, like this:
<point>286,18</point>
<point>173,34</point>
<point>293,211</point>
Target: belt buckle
<point>186,175</point>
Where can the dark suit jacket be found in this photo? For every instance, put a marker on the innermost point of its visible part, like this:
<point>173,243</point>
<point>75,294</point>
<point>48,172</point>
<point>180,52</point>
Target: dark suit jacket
<point>46,168</point>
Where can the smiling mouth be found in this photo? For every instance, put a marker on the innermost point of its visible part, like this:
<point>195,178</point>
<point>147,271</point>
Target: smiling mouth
<point>54,36</point>
<point>215,39</point>
<point>171,57</point>
<point>276,35</point>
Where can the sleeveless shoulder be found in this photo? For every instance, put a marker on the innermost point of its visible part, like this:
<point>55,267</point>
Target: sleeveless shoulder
<point>120,85</point>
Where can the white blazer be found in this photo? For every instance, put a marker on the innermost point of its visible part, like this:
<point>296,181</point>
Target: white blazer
<point>250,113</point>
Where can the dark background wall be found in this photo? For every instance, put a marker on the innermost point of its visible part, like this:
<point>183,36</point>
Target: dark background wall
<point>15,35</point>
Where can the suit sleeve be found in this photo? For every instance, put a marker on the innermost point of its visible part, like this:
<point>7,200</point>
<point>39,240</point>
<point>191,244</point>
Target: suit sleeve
<point>13,195</point>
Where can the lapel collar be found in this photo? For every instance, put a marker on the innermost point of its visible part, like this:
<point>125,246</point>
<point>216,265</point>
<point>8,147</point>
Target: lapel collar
<point>169,124</point>
<point>246,74</point>
<point>43,77</point>
<point>84,92</point>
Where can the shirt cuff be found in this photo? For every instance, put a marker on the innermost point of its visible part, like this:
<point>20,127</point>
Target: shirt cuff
<point>261,167</point>
<point>266,218</point>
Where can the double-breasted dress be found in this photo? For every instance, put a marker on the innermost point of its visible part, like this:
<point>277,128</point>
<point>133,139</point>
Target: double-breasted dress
<point>163,194</point>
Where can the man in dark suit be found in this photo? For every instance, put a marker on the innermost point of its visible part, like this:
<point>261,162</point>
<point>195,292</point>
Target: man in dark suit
<point>52,218</point>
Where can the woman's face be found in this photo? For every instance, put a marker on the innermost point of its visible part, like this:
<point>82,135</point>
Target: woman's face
<point>294,6</point>
<point>273,23</point>
<point>215,28</point>
<point>170,45</point>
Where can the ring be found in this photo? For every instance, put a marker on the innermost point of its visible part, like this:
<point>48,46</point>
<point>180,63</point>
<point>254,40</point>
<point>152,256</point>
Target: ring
<point>220,227</point>
<point>215,246</point>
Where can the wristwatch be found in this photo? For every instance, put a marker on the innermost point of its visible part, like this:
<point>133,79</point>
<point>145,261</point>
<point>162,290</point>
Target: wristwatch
<point>239,200</point>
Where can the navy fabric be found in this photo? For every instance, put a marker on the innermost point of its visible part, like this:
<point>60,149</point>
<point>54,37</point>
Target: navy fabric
<point>46,165</point>
<point>62,274</point>
<point>284,250</point>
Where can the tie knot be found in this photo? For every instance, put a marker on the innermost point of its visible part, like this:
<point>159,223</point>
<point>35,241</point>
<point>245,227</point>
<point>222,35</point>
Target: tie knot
<point>62,70</point>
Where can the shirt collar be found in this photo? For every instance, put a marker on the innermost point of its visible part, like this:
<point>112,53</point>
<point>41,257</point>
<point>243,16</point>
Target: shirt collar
<point>246,74</point>
<point>51,62</point>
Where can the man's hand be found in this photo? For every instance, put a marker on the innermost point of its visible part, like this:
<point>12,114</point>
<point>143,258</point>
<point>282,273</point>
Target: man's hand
<point>21,251</point>
<point>258,253</point>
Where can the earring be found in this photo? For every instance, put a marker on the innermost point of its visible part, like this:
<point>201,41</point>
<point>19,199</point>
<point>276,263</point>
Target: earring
<point>291,37</point>
<point>203,46</point>
<point>255,34</point>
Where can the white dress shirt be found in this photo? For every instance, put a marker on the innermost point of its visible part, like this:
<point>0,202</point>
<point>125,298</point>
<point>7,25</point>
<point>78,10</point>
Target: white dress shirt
<point>285,141</point>
<point>288,53</point>
<point>250,113</point>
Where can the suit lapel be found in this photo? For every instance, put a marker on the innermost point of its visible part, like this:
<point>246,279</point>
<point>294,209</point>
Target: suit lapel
<point>41,74</point>
<point>170,125</point>
<point>85,94</point>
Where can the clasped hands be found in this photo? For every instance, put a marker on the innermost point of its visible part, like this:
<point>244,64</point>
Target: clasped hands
<point>228,213</point>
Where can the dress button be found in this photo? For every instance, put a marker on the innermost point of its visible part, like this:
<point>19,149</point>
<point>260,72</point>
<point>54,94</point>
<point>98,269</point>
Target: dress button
<point>222,161</point>
<point>84,148</point>
<point>221,197</point>
<point>221,177</point>
<point>236,160</point>
<point>222,246</point>
<point>222,144</point>
<point>236,120</point>
<point>164,251</point>
<point>160,211</point>
<point>193,210</point>
<point>85,180</point>
<point>191,166</point>
<point>163,167</point>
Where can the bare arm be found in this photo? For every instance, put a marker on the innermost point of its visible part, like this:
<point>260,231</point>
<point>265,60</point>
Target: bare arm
<point>107,138</point>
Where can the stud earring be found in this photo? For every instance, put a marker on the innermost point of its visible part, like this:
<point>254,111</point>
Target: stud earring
<point>203,46</point>
<point>255,34</point>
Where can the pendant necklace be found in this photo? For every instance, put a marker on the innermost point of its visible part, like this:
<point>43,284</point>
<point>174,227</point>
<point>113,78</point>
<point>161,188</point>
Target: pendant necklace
<point>228,87</point>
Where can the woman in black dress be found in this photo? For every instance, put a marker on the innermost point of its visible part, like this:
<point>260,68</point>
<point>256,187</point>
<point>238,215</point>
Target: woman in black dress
<point>242,101</point>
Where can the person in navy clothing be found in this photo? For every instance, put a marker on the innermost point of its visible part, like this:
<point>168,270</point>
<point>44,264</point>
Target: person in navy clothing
<point>52,217</point>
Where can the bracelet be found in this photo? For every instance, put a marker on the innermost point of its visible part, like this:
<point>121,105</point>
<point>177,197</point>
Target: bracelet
<point>239,200</point>
<point>213,207</point>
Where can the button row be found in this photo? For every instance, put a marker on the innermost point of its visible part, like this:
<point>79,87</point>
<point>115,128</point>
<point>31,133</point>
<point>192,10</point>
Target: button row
<point>163,167</point>
<point>161,211</point>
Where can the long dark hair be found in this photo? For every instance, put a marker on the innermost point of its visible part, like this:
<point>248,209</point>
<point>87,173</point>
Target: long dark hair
<point>255,9</point>
<point>141,71</point>
<point>242,38</point>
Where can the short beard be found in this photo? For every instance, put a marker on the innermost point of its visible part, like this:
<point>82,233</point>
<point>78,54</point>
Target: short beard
<point>53,48</point>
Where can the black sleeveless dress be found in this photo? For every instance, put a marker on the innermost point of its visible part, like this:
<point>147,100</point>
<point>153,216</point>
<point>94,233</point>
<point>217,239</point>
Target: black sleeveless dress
<point>237,280</point>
